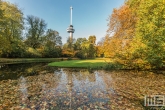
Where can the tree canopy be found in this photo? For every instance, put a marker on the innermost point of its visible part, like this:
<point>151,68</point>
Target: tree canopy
<point>135,34</point>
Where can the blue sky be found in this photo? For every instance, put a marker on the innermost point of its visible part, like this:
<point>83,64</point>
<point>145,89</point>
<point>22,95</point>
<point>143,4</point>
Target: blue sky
<point>89,16</point>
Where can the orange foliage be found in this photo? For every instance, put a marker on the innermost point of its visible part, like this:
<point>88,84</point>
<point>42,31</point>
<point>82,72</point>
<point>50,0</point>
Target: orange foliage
<point>120,32</point>
<point>122,23</point>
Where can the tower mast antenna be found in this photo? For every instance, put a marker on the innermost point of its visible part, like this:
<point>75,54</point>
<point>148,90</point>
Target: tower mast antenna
<point>71,8</point>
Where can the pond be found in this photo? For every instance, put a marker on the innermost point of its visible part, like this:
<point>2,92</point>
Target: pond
<point>35,86</point>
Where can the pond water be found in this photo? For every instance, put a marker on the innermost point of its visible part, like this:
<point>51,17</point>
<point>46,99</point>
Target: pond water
<point>36,86</point>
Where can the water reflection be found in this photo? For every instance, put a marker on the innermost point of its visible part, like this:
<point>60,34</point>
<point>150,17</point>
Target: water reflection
<point>15,71</point>
<point>79,89</point>
<point>1,66</point>
<point>23,87</point>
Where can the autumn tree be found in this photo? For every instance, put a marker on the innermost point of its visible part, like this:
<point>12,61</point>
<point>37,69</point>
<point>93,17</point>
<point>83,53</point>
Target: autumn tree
<point>99,48</point>
<point>53,36</point>
<point>68,48</point>
<point>12,21</point>
<point>121,30</point>
<point>119,33</point>
<point>92,39</point>
<point>88,47</point>
<point>150,33</point>
<point>1,16</point>
<point>70,43</point>
<point>51,44</point>
<point>78,47</point>
<point>92,46</point>
<point>35,30</point>
<point>135,37</point>
<point>78,43</point>
<point>11,26</point>
<point>3,39</point>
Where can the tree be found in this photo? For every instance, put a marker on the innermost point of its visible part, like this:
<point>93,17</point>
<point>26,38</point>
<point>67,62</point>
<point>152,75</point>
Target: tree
<point>36,28</point>
<point>135,37</point>
<point>12,21</point>
<point>1,16</point>
<point>70,43</point>
<point>91,51</point>
<point>78,47</point>
<point>99,48</point>
<point>68,48</point>
<point>52,44</point>
<point>11,25</point>
<point>53,36</point>
<point>92,48</point>
<point>88,48</point>
<point>150,32</point>
<point>77,44</point>
<point>92,39</point>
<point>84,49</point>
<point>121,30</point>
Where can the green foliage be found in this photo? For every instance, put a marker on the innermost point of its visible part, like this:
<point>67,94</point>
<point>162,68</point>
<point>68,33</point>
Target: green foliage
<point>147,46</point>
<point>88,48</point>
<point>4,45</point>
<point>18,49</point>
<point>69,45</point>
<point>53,37</point>
<point>32,53</point>
<point>1,16</point>
<point>51,44</point>
<point>78,43</point>
<point>52,52</point>
<point>112,66</point>
<point>11,25</point>
<point>80,54</point>
<point>67,53</point>
<point>92,51</point>
<point>150,29</point>
<point>12,22</point>
<point>36,28</point>
<point>92,39</point>
<point>91,47</point>
<point>81,48</point>
<point>84,48</point>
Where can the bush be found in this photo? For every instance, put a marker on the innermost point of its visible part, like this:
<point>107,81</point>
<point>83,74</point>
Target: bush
<point>67,53</point>
<point>17,50</point>
<point>80,55</point>
<point>52,53</point>
<point>111,66</point>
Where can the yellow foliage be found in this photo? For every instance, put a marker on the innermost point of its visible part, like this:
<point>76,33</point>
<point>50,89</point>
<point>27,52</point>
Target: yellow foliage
<point>33,51</point>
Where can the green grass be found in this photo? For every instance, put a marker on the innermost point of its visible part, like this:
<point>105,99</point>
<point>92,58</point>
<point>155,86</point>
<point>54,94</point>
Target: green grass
<point>93,63</point>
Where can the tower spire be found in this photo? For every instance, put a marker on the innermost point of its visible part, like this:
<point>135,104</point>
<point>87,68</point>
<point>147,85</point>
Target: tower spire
<point>71,8</point>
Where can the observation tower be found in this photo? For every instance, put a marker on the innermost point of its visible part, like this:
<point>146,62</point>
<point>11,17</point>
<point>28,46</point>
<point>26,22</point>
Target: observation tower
<point>70,28</point>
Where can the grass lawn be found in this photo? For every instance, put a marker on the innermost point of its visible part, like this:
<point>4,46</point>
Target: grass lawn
<point>81,63</point>
<point>22,60</point>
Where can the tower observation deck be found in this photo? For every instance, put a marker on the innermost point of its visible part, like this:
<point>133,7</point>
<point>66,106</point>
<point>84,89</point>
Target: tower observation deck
<point>70,28</point>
